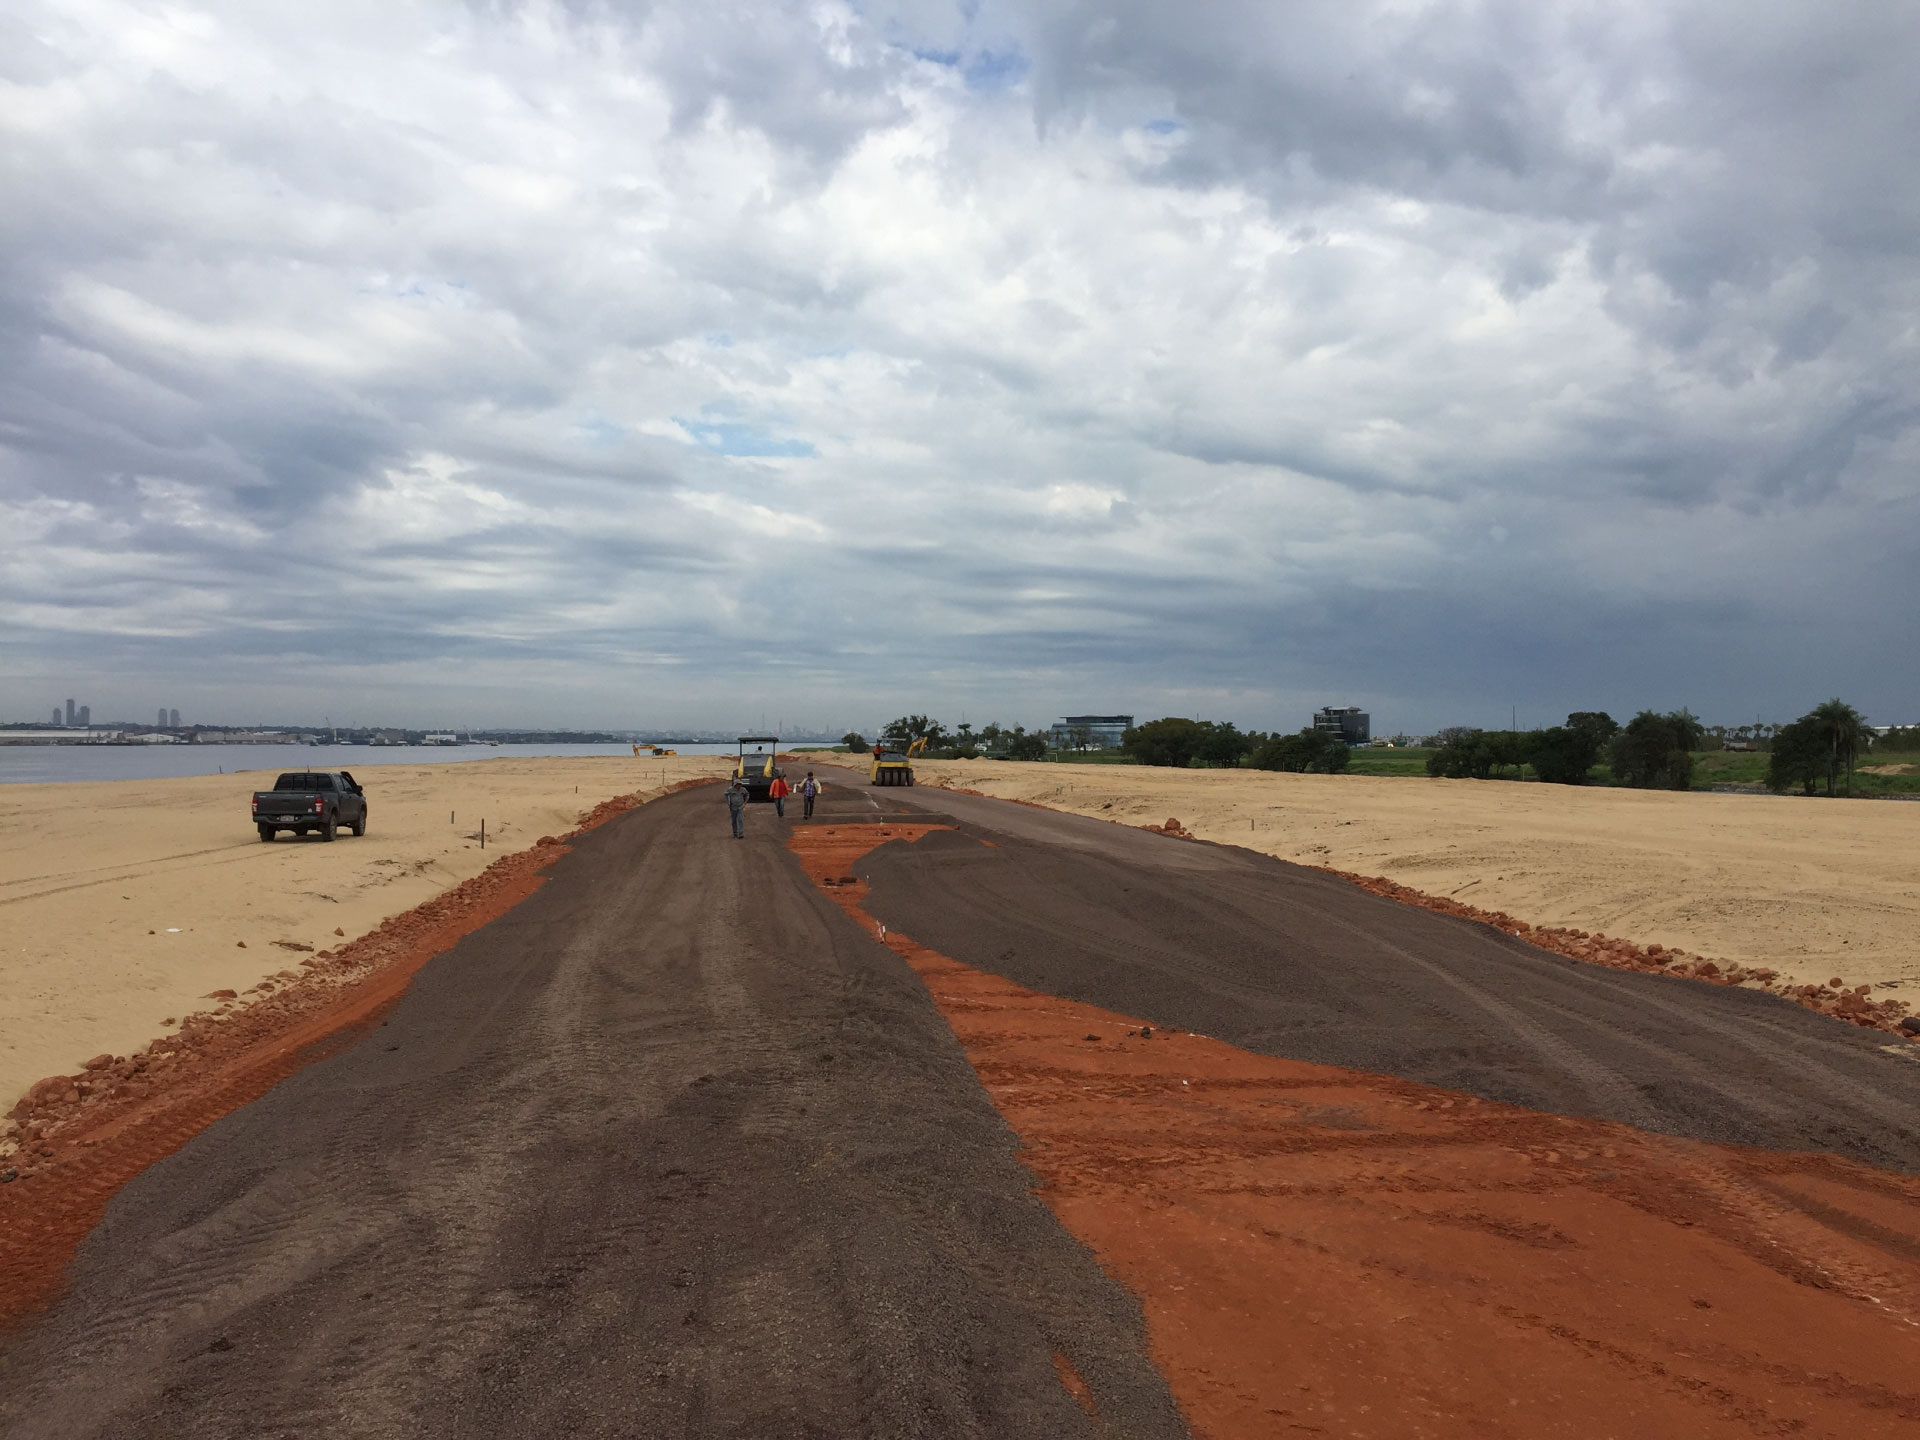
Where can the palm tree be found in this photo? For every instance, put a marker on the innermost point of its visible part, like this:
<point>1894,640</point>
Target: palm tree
<point>1842,731</point>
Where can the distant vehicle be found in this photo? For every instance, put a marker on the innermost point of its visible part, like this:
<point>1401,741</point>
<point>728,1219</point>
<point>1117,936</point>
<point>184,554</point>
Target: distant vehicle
<point>756,766</point>
<point>895,767</point>
<point>654,750</point>
<point>309,801</point>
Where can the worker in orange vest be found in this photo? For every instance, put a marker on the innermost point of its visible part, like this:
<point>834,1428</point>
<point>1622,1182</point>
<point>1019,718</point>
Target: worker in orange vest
<point>778,792</point>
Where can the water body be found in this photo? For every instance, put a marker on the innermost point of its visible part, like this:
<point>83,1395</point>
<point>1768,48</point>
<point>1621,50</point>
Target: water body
<point>22,764</point>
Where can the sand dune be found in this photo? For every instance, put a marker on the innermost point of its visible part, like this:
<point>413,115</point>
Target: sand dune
<point>1811,888</point>
<point>125,903</point>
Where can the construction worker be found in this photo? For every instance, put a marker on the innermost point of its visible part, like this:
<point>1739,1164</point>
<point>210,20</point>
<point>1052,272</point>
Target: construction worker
<point>778,792</point>
<point>809,790</point>
<point>737,807</point>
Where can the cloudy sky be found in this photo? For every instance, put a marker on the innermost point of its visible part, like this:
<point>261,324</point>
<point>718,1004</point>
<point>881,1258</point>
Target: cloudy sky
<point>662,364</point>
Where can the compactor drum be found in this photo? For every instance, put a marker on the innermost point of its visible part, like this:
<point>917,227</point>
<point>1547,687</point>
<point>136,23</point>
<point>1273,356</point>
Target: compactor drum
<point>895,767</point>
<point>757,767</point>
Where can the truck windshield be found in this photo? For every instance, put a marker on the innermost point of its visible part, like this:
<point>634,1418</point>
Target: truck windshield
<point>303,782</point>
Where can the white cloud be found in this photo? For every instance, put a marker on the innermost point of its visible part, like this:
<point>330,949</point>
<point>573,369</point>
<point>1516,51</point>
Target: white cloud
<point>1011,356</point>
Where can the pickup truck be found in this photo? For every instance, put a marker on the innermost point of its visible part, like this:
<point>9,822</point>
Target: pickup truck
<point>307,800</point>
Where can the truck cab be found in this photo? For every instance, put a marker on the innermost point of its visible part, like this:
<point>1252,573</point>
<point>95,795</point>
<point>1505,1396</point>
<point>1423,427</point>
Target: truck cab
<point>311,802</point>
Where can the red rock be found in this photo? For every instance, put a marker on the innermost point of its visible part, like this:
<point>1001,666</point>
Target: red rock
<point>241,944</point>
<point>1837,983</point>
<point>338,931</point>
<point>219,995</point>
<point>100,1062</point>
<point>1706,967</point>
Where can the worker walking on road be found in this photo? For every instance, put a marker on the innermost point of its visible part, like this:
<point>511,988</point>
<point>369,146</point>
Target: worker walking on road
<point>809,789</point>
<point>779,791</point>
<point>737,807</point>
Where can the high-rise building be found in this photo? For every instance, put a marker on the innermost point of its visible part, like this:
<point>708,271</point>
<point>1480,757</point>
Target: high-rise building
<point>69,710</point>
<point>1089,732</point>
<point>1349,722</point>
<point>86,716</point>
<point>56,716</point>
<point>173,719</point>
<point>161,723</point>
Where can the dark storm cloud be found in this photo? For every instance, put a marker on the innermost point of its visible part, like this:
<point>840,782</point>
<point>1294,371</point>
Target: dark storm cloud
<point>594,363</point>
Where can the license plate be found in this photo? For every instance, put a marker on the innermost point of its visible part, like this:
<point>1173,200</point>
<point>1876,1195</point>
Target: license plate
<point>286,819</point>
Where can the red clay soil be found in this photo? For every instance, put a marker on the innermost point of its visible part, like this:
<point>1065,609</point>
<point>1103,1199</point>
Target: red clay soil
<point>83,1136</point>
<point>1322,1251</point>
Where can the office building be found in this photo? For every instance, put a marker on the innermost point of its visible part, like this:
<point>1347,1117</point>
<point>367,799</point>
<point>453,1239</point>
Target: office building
<point>56,716</point>
<point>69,710</point>
<point>86,716</point>
<point>1350,723</point>
<point>1089,732</point>
<point>173,719</point>
<point>161,723</point>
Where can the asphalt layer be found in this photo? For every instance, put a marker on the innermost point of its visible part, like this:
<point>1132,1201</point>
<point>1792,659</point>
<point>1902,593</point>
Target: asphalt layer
<point>1287,961</point>
<point>672,1149</point>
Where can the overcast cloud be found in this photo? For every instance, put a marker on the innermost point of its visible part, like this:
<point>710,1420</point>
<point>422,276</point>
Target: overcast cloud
<point>684,364</point>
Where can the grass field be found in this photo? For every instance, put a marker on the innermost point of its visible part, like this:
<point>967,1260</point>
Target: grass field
<point>1410,760</point>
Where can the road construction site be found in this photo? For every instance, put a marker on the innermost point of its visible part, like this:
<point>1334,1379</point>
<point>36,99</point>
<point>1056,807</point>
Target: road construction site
<point>943,1115</point>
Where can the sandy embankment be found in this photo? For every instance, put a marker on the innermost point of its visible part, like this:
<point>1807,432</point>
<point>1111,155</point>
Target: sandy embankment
<point>1811,888</point>
<point>125,903</point>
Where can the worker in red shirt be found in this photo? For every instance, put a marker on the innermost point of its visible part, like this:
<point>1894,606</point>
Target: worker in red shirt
<point>778,792</point>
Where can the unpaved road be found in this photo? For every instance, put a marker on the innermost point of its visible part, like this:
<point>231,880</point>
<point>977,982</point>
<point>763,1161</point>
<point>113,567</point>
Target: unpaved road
<point>1290,962</point>
<point>672,1149</point>
<point>680,1148</point>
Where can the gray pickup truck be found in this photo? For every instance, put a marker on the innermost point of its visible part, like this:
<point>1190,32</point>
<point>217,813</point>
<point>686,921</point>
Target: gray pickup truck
<point>304,801</point>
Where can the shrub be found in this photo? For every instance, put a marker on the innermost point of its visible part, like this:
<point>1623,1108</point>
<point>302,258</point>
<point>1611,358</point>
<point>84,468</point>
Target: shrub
<point>1309,752</point>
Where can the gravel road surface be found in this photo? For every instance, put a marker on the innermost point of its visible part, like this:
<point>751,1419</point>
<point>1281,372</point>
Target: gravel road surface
<point>672,1149</point>
<point>1287,961</point>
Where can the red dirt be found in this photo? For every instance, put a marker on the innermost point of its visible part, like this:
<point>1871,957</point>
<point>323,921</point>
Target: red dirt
<point>84,1136</point>
<point>1332,1252</point>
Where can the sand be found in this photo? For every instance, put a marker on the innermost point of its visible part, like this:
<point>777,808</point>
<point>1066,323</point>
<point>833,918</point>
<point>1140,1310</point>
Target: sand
<point>124,903</point>
<point>1811,888</point>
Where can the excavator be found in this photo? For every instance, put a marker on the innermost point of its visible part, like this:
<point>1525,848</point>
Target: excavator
<point>895,767</point>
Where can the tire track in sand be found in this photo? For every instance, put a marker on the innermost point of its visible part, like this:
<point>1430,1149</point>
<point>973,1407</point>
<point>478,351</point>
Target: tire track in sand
<point>1328,1251</point>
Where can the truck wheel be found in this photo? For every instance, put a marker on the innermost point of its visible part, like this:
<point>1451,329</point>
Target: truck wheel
<point>360,823</point>
<point>266,831</point>
<point>330,830</point>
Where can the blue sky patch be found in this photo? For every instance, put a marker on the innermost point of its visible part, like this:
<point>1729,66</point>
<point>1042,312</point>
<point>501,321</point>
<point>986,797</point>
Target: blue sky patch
<point>995,70</point>
<point>729,437</point>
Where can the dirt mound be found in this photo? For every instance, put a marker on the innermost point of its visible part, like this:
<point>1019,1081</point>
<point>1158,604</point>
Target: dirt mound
<point>1852,1003</point>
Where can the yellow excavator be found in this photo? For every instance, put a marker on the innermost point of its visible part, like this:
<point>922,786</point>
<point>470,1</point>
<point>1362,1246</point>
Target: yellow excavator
<point>895,767</point>
<point>653,750</point>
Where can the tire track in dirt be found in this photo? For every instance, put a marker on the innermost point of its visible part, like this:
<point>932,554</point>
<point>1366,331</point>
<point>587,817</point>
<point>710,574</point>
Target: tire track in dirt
<point>1329,1251</point>
<point>672,1148</point>
<point>85,1136</point>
